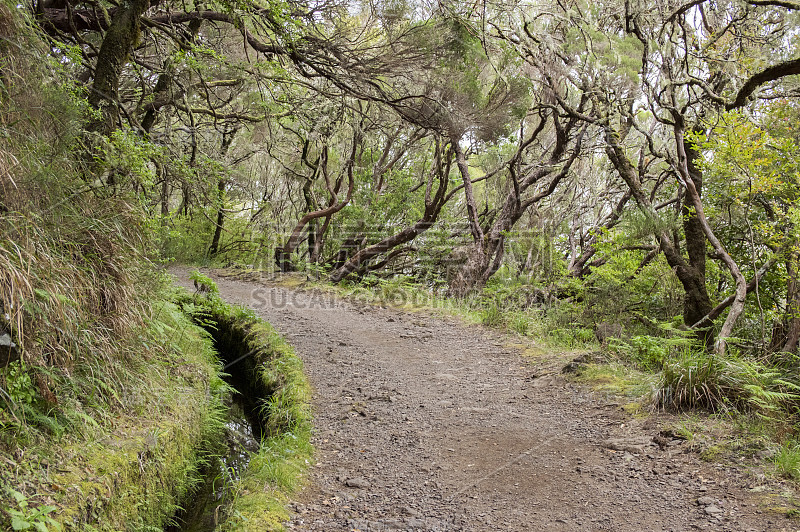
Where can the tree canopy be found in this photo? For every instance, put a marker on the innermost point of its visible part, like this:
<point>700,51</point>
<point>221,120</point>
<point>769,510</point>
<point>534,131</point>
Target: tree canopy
<point>580,148</point>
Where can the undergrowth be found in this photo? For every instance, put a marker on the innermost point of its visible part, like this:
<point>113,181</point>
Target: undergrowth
<point>787,460</point>
<point>108,396</point>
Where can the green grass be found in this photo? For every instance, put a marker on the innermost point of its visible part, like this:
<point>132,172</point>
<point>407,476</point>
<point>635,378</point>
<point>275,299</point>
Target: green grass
<point>617,379</point>
<point>125,459</point>
<point>275,472</point>
<point>519,322</point>
<point>787,460</point>
<point>697,379</point>
<point>493,316</point>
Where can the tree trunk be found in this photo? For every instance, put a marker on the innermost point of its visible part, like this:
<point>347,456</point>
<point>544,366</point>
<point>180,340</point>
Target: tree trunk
<point>697,303</point>
<point>695,294</point>
<point>486,254</point>
<point>737,306</point>
<point>350,245</point>
<point>786,332</point>
<point>283,254</point>
<point>468,277</point>
<point>227,139</point>
<point>165,192</point>
<point>434,201</point>
<point>214,247</point>
<point>365,255</point>
<point>117,45</point>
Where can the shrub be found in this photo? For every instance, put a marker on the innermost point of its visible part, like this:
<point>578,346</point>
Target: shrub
<point>520,323</point>
<point>696,379</point>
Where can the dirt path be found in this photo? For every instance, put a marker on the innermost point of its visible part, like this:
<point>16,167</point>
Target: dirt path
<point>424,423</point>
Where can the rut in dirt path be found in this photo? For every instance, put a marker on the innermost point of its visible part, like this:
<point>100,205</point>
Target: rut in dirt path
<point>424,423</point>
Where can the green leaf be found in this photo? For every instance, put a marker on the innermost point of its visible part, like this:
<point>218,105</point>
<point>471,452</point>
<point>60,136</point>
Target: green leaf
<point>41,294</point>
<point>19,497</point>
<point>19,524</point>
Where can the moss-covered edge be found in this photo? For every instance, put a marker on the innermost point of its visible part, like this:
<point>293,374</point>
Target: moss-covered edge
<point>133,475</point>
<point>277,379</point>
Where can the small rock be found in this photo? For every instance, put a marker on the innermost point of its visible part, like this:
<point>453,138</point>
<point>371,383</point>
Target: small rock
<point>713,510</point>
<point>393,524</point>
<point>766,454</point>
<point>705,501</point>
<point>359,524</point>
<point>8,350</point>
<point>544,380</point>
<point>576,365</point>
<point>630,446</point>
<point>5,341</point>
<point>358,483</point>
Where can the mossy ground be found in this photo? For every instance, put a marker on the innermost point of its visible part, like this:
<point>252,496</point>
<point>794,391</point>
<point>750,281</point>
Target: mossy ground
<point>124,463</point>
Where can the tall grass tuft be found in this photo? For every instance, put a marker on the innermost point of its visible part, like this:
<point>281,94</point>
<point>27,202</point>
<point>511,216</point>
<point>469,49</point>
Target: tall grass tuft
<point>787,460</point>
<point>698,379</point>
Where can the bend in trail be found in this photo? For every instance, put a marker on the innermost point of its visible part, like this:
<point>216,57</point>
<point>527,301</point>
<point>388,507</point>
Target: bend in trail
<point>424,423</point>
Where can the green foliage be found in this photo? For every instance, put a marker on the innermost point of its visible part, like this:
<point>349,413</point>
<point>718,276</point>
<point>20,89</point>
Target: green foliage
<point>651,353</point>
<point>130,158</point>
<point>519,322</point>
<point>203,283</point>
<point>25,517</point>
<point>571,337</point>
<point>18,383</point>
<point>492,316</point>
<point>698,379</point>
<point>617,379</point>
<point>617,57</point>
<point>787,460</point>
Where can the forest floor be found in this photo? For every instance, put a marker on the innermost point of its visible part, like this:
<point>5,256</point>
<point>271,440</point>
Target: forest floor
<point>423,422</point>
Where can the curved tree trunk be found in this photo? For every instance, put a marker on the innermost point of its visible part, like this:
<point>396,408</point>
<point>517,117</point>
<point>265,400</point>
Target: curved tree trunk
<point>486,253</point>
<point>434,201</point>
<point>693,284</point>
<point>699,303</point>
<point>737,306</point>
<point>365,255</point>
<point>283,255</point>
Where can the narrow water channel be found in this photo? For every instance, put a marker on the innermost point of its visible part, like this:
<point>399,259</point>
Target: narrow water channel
<point>203,511</point>
<point>243,433</point>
